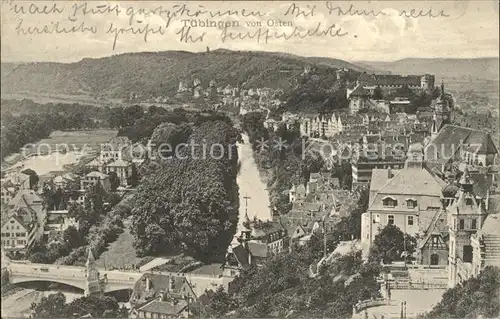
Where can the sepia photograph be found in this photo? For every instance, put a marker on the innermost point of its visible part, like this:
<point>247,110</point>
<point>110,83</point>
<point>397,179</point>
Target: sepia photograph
<point>250,159</point>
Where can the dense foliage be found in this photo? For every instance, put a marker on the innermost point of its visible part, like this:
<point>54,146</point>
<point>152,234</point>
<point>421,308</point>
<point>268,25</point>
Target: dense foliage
<point>189,203</point>
<point>473,298</point>
<point>99,224</point>
<point>282,287</point>
<point>55,306</point>
<point>349,227</point>
<point>317,92</point>
<point>26,122</point>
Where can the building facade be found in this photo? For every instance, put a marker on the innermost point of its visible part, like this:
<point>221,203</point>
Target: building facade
<point>474,241</point>
<point>404,198</point>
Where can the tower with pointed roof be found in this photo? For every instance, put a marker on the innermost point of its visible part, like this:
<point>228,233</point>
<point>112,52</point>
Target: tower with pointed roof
<point>92,280</point>
<point>442,113</point>
<point>466,216</point>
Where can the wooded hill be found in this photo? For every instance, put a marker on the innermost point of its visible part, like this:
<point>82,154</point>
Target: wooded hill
<point>158,73</point>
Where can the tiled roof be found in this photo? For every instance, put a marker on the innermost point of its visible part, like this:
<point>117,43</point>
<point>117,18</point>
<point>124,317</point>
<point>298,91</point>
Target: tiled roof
<point>25,198</point>
<point>164,307</point>
<point>491,225</point>
<point>389,79</point>
<point>490,239</point>
<point>451,138</point>
<point>97,174</point>
<point>17,219</point>
<point>257,249</point>
<point>415,181</point>
<point>304,206</point>
<point>159,283</point>
<point>359,91</point>
<point>119,163</point>
<point>241,255</point>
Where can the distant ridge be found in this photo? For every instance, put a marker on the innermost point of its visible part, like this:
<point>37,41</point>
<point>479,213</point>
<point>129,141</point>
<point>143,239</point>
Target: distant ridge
<point>477,68</point>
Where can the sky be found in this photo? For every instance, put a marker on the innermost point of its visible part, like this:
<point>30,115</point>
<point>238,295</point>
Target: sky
<point>465,29</point>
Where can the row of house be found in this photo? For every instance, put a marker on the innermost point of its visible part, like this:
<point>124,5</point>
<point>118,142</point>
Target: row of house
<point>25,219</point>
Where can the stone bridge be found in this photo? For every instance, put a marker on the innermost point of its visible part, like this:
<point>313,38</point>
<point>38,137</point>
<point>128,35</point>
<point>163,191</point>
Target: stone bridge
<point>115,280</point>
<point>109,280</point>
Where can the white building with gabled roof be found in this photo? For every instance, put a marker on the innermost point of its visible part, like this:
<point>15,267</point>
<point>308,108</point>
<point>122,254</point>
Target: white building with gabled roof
<point>407,198</point>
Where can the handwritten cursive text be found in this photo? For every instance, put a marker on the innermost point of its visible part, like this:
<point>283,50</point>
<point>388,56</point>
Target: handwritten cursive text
<point>263,35</point>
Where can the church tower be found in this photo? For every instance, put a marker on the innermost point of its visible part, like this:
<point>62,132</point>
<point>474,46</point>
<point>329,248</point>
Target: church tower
<point>466,215</point>
<point>442,113</point>
<point>92,281</point>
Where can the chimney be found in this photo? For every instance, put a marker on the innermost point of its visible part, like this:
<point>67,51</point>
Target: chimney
<point>162,295</point>
<point>148,284</point>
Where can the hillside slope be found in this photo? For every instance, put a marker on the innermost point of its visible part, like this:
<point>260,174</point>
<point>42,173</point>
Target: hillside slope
<point>481,68</point>
<point>158,73</point>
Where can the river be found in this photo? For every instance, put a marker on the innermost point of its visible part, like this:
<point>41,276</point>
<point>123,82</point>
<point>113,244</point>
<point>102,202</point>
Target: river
<point>251,186</point>
<point>17,304</point>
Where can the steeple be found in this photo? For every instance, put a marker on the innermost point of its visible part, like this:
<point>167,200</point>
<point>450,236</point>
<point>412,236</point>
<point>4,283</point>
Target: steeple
<point>90,259</point>
<point>92,281</point>
<point>442,87</point>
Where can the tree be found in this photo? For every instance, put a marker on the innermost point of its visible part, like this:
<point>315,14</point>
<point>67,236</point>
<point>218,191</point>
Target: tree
<point>378,94</point>
<point>219,304</point>
<point>473,298</point>
<point>53,306</point>
<point>191,203</point>
<point>34,181</point>
<point>73,237</point>
<point>114,181</point>
<point>390,244</point>
<point>167,136</point>
<point>344,173</point>
<point>133,179</point>
<point>39,258</point>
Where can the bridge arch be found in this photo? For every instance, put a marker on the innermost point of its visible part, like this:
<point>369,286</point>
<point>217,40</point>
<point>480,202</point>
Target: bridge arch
<point>15,281</point>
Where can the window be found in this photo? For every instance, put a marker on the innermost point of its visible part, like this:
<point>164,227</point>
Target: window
<point>411,203</point>
<point>390,219</point>
<point>410,220</point>
<point>473,224</point>
<point>467,256</point>
<point>461,224</point>
<point>389,202</point>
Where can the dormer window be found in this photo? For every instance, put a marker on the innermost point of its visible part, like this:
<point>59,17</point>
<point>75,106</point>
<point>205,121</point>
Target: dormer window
<point>389,202</point>
<point>411,203</point>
